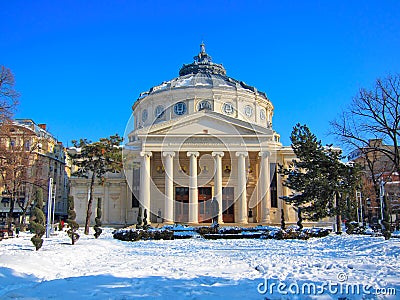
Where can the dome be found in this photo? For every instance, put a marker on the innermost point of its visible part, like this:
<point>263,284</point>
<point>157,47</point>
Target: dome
<point>202,86</point>
<point>202,72</point>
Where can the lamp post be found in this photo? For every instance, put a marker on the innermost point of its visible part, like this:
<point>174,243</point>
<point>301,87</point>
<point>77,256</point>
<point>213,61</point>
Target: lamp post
<point>49,208</point>
<point>381,195</point>
<point>360,209</point>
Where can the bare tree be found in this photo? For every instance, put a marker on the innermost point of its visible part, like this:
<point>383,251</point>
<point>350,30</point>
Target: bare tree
<point>373,115</point>
<point>371,127</point>
<point>8,95</point>
<point>18,166</point>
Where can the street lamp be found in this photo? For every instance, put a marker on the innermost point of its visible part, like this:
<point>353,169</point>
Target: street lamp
<point>381,195</point>
<point>360,208</point>
<point>368,201</point>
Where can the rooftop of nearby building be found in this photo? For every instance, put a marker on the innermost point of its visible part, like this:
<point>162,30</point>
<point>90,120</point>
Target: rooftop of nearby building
<point>39,129</point>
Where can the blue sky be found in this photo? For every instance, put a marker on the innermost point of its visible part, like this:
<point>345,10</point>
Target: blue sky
<point>80,65</point>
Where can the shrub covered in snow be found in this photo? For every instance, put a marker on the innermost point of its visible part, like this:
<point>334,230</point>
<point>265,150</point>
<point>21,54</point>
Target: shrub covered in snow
<point>139,219</point>
<point>37,220</point>
<point>317,232</point>
<point>73,225</point>
<point>145,224</point>
<point>132,235</point>
<point>179,231</point>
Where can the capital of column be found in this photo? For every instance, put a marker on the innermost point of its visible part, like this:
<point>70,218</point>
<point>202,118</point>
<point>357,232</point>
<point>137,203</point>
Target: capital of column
<point>169,153</point>
<point>264,154</point>
<point>194,153</point>
<point>217,153</point>
<point>242,153</point>
<point>146,153</point>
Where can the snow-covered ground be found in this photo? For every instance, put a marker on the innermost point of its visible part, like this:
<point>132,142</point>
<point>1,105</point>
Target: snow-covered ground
<point>199,269</point>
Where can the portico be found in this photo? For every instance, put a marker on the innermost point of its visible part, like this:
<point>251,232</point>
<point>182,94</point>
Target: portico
<point>186,182</point>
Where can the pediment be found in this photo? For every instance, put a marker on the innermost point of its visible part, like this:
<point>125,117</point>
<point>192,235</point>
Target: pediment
<point>205,123</point>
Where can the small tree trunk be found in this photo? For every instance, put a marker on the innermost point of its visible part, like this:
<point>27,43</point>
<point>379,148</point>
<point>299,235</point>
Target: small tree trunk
<point>89,207</point>
<point>338,215</point>
<point>11,213</point>
<point>283,225</point>
<point>386,230</point>
<point>22,224</point>
<point>299,218</point>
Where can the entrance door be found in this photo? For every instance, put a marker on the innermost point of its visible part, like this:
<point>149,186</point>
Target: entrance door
<point>228,212</point>
<point>205,205</point>
<point>181,204</point>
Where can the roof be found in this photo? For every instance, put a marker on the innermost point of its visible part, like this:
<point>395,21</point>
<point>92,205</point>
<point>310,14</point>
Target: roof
<point>202,73</point>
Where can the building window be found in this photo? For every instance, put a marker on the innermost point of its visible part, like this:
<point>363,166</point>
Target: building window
<point>27,145</point>
<point>228,108</point>
<point>248,110</point>
<point>180,108</point>
<point>274,186</point>
<point>159,112</point>
<point>135,187</point>
<point>262,114</point>
<point>144,115</point>
<point>204,105</point>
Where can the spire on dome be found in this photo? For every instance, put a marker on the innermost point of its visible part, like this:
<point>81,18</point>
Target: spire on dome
<point>202,48</point>
<point>202,64</point>
<point>202,56</point>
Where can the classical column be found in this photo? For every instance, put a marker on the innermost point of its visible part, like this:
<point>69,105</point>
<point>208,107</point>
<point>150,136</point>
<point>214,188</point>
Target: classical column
<point>193,192</point>
<point>265,183</point>
<point>242,172</point>
<point>106,203</point>
<point>169,187</point>
<point>145,182</point>
<point>218,182</point>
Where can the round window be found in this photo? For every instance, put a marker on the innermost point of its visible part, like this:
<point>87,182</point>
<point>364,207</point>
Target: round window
<point>228,108</point>
<point>180,108</point>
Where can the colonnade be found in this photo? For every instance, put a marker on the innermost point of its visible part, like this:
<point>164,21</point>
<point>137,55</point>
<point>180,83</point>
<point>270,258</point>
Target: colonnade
<point>264,183</point>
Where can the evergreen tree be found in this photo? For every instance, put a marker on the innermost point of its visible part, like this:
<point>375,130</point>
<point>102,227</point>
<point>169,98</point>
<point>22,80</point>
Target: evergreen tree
<point>37,220</point>
<point>318,178</point>
<point>96,227</point>
<point>94,160</point>
<point>73,225</point>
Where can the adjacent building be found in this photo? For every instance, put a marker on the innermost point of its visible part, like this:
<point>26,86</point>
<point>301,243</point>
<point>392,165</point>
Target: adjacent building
<point>30,156</point>
<point>378,170</point>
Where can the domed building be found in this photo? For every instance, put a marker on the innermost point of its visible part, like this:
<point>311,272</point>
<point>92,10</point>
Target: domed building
<point>204,136</point>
